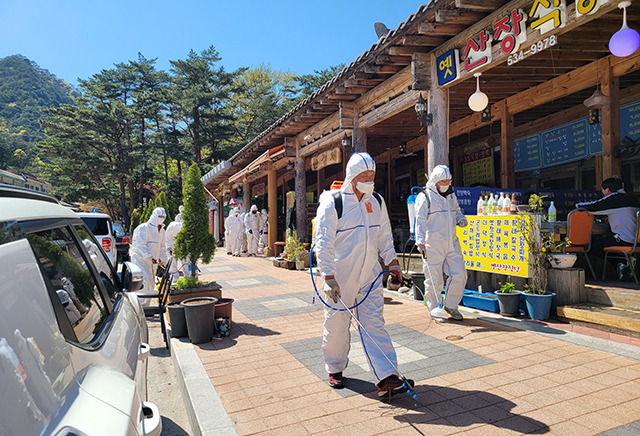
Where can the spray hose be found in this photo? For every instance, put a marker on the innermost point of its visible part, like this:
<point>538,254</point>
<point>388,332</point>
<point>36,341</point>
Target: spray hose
<point>337,308</point>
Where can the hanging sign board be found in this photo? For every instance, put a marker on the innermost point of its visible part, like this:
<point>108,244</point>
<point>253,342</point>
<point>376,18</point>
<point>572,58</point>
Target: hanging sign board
<point>494,244</point>
<point>526,28</point>
<point>257,190</point>
<point>326,158</point>
<point>477,167</point>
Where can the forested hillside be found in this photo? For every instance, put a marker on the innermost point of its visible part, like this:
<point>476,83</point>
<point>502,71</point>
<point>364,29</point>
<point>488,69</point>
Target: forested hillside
<point>25,91</point>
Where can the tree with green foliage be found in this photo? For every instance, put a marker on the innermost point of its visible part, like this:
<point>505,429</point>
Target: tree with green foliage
<point>146,211</point>
<point>194,240</point>
<point>135,220</point>
<point>161,201</point>
<point>202,91</point>
<point>310,83</point>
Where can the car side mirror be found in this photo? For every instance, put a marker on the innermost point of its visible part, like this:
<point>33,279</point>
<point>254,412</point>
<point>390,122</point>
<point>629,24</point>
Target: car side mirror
<point>132,277</point>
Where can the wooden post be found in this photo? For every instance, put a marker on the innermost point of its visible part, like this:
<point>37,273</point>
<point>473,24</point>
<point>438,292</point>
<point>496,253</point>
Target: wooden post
<point>359,139</point>
<point>507,164</point>
<point>272,192</point>
<point>438,131</point>
<point>599,178</point>
<point>301,196</point>
<point>246,195</point>
<point>320,174</point>
<point>610,120</point>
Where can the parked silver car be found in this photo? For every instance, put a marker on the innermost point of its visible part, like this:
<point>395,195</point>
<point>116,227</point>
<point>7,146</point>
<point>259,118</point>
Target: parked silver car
<point>72,343</point>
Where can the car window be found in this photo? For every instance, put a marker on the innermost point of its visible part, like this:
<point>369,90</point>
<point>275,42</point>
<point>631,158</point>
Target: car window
<point>66,270</point>
<point>118,230</point>
<point>98,226</point>
<point>99,260</point>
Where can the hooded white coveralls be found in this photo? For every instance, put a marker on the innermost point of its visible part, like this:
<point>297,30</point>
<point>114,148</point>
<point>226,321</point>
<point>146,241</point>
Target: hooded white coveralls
<point>264,228</point>
<point>252,228</point>
<point>350,248</point>
<point>235,227</point>
<point>147,245</point>
<point>436,220</point>
<point>170,242</point>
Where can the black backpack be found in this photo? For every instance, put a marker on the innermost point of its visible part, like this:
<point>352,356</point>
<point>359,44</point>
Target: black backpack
<point>337,200</point>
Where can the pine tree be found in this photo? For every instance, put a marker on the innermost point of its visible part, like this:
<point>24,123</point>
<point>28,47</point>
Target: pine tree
<point>194,240</point>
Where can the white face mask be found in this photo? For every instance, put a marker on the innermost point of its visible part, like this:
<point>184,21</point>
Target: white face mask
<point>444,188</point>
<point>365,187</point>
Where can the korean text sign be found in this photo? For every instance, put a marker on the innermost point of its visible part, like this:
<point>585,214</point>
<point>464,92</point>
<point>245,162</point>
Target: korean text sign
<point>493,244</point>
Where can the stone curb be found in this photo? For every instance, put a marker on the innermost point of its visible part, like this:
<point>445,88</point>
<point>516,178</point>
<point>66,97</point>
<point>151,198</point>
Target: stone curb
<point>204,408</point>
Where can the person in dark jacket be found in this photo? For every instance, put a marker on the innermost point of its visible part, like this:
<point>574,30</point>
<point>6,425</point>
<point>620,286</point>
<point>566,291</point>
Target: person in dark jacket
<point>620,209</point>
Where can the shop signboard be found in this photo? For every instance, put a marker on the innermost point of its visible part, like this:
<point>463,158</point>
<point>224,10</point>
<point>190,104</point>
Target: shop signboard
<point>326,158</point>
<point>257,190</point>
<point>571,141</point>
<point>519,31</point>
<point>494,244</point>
<point>477,167</point>
<point>447,66</point>
<point>527,154</point>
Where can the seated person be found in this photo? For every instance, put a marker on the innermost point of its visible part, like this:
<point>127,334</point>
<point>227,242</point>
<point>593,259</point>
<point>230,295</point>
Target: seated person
<point>620,209</point>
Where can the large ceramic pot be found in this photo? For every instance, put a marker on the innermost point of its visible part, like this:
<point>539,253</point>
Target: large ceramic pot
<point>563,260</point>
<point>509,302</point>
<point>224,308</point>
<point>199,313</point>
<point>177,320</point>
<point>539,305</point>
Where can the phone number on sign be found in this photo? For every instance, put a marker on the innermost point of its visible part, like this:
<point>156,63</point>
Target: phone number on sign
<point>505,267</point>
<point>535,48</point>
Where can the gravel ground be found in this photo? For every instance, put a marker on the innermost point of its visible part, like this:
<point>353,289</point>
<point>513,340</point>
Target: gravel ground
<point>162,385</point>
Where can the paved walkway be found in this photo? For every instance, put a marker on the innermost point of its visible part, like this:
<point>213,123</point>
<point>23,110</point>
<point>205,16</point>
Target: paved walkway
<point>486,375</point>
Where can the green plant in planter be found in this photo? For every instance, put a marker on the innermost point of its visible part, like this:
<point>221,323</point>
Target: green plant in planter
<point>190,282</point>
<point>194,241</point>
<point>293,246</point>
<point>507,287</point>
<point>530,227</point>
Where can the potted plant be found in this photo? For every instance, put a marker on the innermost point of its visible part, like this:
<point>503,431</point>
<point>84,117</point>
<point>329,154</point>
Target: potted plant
<point>508,299</point>
<point>293,247</point>
<point>537,299</point>
<point>194,242</point>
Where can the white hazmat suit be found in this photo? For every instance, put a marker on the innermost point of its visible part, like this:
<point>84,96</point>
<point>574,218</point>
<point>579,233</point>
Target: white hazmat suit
<point>252,221</point>
<point>236,231</point>
<point>147,247</point>
<point>170,242</point>
<point>437,215</point>
<point>350,248</point>
<point>264,229</point>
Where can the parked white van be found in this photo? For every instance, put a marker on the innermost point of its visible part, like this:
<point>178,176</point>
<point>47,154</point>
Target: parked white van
<point>72,343</point>
<point>101,226</point>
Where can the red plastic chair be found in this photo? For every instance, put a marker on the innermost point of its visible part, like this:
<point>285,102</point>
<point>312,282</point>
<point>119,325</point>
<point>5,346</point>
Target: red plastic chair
<point>626,252</point>
<point>579,223</point>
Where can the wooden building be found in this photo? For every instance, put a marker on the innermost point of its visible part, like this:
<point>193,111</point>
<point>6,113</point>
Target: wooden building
<point>540,60</point>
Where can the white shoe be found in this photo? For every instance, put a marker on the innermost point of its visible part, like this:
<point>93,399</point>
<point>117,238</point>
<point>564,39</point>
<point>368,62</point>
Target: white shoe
<point>439,312</point>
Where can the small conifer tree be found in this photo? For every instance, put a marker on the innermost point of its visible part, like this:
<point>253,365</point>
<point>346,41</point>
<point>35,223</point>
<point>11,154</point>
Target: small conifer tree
<point>194,240</point>
<point>161,201</point>
<point>135,220</point>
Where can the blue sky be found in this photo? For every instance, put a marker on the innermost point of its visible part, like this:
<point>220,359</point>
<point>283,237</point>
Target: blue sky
<point>76,39</point>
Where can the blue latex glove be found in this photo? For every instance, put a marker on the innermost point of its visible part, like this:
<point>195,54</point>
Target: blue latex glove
<point>250,231</point>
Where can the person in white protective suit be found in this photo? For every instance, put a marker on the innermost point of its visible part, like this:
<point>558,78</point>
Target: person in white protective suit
<point>349,250</point>
<point>148,249</point>
<point>229,243</point>
<point>437,214</point>
<point>252,221</point>
<point>180,209</point>
<point>264,230</point>
<point>236,231</point>
<point>170,234</point>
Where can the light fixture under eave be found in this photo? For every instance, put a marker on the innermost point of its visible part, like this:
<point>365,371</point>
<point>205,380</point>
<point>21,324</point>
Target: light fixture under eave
<point>346,144</point>
<point>478,100</point>
<point>625,41</point>
<point>597,100</point>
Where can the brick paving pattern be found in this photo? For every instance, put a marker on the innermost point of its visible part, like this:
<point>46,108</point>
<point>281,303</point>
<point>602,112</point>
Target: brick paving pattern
<point>485,375</point>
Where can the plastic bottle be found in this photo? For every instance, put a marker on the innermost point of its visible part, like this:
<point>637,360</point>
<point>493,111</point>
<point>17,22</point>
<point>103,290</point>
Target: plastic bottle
<point>512,207</point>
<point>480,206</point>
<point>506,206</point>
<point>501,203</point>
<point>492,205</point>
<point>552,213</point>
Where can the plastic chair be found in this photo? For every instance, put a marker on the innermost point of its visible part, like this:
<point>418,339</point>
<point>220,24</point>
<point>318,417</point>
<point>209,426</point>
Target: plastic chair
<point>579,224</point>
<point>626,252</point>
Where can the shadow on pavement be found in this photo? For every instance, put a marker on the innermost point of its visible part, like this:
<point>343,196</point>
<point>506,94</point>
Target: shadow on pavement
<point>439,405</point>
<point>237,329</point>
<point>170,428</point>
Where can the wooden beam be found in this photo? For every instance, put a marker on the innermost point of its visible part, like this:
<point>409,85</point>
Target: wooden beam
<point>423,40</point>
<point>438,131</point>
<point>385,91</point>
<point>407,50</point>
<point>440,28</point>
<point>346,114</point>
<point>507,164</point>
<point>479,5</point>
<point>389,109</point>
<point>331,138</point>
<point>420,71</point>
<point>458,16</point>
<point>319,129</point>
<point>610,120</point>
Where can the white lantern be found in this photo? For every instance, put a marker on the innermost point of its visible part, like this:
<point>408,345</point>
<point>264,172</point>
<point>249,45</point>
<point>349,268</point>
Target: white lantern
<point>478,100</point>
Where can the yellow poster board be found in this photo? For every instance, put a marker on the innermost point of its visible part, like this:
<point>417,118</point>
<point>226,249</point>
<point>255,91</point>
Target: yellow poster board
<point>493,244</point>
